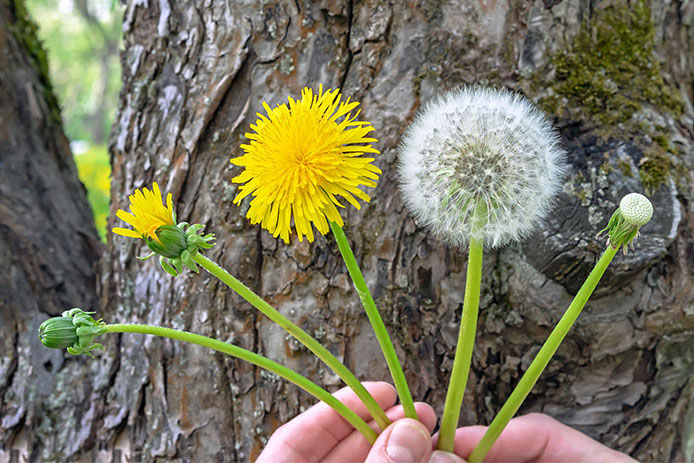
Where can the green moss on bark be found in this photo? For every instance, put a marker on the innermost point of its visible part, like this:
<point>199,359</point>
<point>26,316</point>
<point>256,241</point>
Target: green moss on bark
<point>609,70</point>
<point>604,78</point>
<point>25,31</point>
<point>656,168</point>
<point>625,167</point>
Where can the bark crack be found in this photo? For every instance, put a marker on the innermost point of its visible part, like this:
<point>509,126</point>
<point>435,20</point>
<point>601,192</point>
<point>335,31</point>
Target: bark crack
<point>348,63</point>
<point>396,256</point>
<point>12,369</point>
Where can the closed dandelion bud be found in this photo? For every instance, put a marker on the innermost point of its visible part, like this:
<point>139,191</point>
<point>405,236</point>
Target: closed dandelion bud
<point>634,211</point>
<point>58,333</point>
<point>171,242</point>
<point>75,331</point>
<point>480,159</point>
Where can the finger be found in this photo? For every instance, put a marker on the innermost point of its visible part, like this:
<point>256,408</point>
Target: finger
<point>405,441</point>
<point>314,433</point>
<point>439,456</point>
<point>535,437</point>
<point>355,447</point>
<point>523,439</point>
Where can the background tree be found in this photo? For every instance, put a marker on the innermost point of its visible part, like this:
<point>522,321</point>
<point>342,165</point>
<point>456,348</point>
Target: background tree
<point>81,39</point>
<point>618,78</point>
<point>48,246</point>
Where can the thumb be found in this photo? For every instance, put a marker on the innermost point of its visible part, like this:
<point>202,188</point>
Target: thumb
<point>405,441</point>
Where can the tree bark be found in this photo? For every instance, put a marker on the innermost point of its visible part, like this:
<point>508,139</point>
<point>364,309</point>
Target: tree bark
<point>194,75</point>
<point>48,247</point>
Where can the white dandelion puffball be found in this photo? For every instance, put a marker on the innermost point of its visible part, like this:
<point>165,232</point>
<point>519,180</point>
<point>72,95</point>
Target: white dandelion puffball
<point>476,145</point>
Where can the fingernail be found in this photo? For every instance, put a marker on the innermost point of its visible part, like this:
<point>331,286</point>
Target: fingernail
<point>407,443</point>
<point>445,457</point>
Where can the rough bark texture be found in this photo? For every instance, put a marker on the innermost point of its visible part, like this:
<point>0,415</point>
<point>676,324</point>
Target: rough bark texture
<point>48,246</point>
<point>618,79</point>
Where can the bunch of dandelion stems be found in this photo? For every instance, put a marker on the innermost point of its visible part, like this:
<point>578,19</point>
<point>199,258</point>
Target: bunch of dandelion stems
<point>371,312</point>
<point>466,339</point>
<point>256,359</point>
<point>463,355</point>
<point>461,365</point>
<point>542,358</point>
<point>302,336</point>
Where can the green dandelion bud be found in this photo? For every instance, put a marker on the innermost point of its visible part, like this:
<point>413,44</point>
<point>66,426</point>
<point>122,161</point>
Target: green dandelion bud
<point>58,333</point>
<point>172,242</point>
<point>179,245</point>
<point>634,211</point>
<point>75,331</point>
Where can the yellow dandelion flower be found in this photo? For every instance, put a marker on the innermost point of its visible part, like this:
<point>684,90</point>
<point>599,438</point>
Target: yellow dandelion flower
<point>301,158</point>
<point>147,214</point>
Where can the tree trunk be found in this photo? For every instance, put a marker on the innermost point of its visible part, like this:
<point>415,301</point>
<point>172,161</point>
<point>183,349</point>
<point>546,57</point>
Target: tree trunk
<point>48,246</point>
<point>618,79</point>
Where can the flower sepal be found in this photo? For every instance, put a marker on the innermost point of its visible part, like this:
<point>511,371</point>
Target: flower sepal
<point>74,330</point>
<point>178,245</point>
<point>167,267</point>
<point>634,211</point>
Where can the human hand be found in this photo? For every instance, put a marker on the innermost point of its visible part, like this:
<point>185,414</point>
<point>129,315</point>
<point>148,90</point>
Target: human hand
<point>538,438</point>
<point>321,435</point>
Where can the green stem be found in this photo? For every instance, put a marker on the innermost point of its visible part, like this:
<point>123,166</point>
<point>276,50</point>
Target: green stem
<point>542,358</point>
<point>463,350</point>
<point>376,322</point>
<point>306,339</point>
<point>274,367</point>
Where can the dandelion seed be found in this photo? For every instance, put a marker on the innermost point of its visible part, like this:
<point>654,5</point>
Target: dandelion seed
<point>301,157</point>
<point>480,145</point>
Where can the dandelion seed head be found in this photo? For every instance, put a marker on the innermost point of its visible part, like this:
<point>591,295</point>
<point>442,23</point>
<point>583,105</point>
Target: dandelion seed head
<point>475,145</point>
<point>636,209</point>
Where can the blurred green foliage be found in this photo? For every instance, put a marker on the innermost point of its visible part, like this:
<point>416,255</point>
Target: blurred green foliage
<point>81,38</point>
<point>95,172</point>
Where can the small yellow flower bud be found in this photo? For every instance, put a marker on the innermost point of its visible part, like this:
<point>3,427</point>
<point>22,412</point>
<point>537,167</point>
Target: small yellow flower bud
<point>176,244</point>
